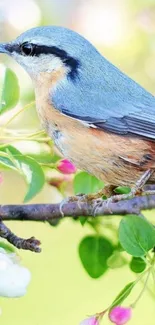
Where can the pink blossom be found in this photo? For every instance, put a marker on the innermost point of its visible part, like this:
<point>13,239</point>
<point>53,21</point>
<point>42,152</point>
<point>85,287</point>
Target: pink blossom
<point>66,167</point>
<point>120,315</point>
<point>90,321</point>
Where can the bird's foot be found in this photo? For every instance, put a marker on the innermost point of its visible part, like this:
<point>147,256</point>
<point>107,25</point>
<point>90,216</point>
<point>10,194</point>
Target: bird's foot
<point>107,191</point>
<point>136,190</point>
<point>87,198</point>
<point>114,199</point>
<point>76,198</point>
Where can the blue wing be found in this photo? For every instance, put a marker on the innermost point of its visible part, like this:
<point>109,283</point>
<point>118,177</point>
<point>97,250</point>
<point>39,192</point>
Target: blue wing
<point>106,98</point>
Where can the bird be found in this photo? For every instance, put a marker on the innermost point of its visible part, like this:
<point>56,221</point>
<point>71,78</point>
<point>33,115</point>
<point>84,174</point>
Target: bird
<point>99,118</point>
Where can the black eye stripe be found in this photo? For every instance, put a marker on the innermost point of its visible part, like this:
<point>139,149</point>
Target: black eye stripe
<point>42,49</point>
<point>37,50</point>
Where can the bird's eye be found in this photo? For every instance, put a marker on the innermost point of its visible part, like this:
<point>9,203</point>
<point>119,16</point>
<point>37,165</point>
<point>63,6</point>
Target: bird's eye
<point>27,49</point>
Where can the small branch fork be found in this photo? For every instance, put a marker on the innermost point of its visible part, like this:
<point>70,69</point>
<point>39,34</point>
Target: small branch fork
<point>31,244</point>
<point>48,212</point>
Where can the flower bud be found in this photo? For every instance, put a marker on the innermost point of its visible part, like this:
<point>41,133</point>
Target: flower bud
<point>66,167</point>
<point>90,321</point>
<point>120,315</point>
<point>14,278</point>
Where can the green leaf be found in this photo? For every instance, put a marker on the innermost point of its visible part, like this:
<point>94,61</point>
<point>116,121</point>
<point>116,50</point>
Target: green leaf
<point>116,260</point>
<point>10,91</point>
<point>11,149</point>
<point>33,174</point>
<point>137,265</point>
<point>85,183</point>
<point>94,252</point>
<point>136,235</point>
<point>122,190</point>
<point>123,294</point>
<point>5,161</point>
<point>27,167</point>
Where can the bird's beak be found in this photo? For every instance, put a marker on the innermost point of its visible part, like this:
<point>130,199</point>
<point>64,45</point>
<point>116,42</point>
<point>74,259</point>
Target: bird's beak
<point>4,48</point>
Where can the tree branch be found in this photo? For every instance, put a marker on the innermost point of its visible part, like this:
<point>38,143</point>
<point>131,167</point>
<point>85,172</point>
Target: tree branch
<point>48,212</point>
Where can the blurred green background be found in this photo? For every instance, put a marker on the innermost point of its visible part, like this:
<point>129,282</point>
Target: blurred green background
<point>61,293</point>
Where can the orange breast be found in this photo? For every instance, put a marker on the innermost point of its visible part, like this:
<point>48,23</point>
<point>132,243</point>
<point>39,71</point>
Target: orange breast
<point>115,159</point>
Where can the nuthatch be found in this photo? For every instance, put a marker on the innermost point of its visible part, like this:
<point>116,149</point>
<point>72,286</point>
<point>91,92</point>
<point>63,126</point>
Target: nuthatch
<point>99,118</point>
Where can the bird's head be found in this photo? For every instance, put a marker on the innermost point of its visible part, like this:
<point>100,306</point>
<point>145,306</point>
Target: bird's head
<point>47,49</point>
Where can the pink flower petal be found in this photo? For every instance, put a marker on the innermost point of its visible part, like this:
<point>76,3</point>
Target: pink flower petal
<point>120,315</point>
<point>66,167</point>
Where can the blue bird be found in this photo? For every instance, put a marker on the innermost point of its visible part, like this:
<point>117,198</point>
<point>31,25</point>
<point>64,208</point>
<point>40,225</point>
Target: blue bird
<point>98,117</point>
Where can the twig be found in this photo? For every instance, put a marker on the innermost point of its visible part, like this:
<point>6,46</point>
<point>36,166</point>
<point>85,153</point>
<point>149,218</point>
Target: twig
<point>48,212</point>
<point>31,244</point>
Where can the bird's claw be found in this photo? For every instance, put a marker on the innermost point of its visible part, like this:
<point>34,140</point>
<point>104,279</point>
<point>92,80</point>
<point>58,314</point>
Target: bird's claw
<point>98,204</point>
<point>70,199</point>
<point>113,199</point>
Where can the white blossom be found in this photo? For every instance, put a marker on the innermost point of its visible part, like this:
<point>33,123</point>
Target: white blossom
<point>14,278</point>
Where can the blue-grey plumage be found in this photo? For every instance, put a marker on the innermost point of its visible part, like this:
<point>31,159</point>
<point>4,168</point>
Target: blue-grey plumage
<point>99,117</point>
<point>98,93</point>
